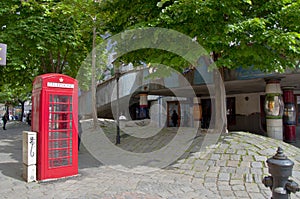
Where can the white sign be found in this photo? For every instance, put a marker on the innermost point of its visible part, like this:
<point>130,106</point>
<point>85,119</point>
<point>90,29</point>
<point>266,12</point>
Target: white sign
<point>59,85</point>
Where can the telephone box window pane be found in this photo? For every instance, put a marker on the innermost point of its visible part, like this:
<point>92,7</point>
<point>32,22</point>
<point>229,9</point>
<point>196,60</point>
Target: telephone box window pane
<point>60,133</point>
<point>60,162</point>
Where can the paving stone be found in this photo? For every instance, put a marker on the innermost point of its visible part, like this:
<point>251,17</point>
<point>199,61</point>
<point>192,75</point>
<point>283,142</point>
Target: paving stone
<point>226,193</point>
<point>256,171</point>
<point>249,178</point>
<point>210,185</point>
<point>221,163</point>
<point>248,158</point>
<point>236,182</point>
<point>224,188</point>
<point>186,166</point>
<point>225,156</point>
<point>209,180</point>
<point>245,164</point>
<point>200,168</point>
<point>214,169</point>
<point>230,151</point>
<point>187,189</point>
<point>256,165</point>
<point>215,157</point>
<point>199,174</point>
<point>256,195</point>
<point>220,151</point>
<point>259,158</point>
<point>199,162</point>
<point>241,152</point>
<point>252,187</point>
<point>257,178</point>
<point>212,175</point>
<point>223,183</point>
<point>210,163</point>
<point>227,169</point>
<point>224,176</point>
<point>242,170</point>
<point>235,157</point>
<point>241,194</point>
<point>233,163</point>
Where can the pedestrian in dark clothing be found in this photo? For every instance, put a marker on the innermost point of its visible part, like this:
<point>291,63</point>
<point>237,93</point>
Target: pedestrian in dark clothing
<point>79,131</point>
<point>174,118</point>
<point>4,119</point>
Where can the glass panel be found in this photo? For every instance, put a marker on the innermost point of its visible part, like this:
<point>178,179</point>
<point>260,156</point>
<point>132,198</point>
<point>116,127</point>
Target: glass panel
<point>60,131</point>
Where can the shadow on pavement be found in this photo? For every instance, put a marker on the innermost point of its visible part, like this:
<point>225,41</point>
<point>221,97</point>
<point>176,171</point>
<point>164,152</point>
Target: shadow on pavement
<point>11,162</point>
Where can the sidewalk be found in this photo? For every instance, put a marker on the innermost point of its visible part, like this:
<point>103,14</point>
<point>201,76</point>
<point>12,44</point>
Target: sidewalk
<point>232,168</point>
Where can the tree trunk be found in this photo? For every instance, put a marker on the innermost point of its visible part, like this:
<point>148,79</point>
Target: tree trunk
<point>220,103</point>
<point>220,98</point>
<point>93,87</point>
<point>22,108</point>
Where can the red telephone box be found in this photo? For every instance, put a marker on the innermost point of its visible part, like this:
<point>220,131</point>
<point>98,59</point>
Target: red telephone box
<point>55,119</point>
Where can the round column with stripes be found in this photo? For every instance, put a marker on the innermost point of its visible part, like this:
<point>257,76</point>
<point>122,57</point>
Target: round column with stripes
<point>274,109</point>
<point>143,113</point>
<point>289,115</point>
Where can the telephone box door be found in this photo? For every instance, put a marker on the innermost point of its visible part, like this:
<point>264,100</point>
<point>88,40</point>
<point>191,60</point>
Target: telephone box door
<point>60,141</point>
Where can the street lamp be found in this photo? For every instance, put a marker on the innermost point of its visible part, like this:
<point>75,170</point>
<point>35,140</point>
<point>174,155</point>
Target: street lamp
<point>117,75</point>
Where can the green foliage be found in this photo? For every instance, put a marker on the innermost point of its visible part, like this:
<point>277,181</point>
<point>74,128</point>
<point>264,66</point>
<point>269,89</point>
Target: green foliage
<point>241,33</point>
<point>263,34</point>
<point>56,36</point>
<point>41,38</point>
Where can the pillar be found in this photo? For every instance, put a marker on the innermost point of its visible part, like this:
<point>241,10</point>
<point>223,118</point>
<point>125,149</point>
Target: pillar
<point>289,115</point>
<point>143,112</point>
<point>197,111</point>
<point>274,109</point>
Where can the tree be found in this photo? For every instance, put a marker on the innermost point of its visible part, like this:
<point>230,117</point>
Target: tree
<point>41,38</point>
<point>88,13</point>
<point>263,34</point>
<point>247,33</point>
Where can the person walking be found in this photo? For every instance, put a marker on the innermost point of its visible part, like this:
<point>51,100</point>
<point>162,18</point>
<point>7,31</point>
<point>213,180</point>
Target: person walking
<point>4,119</point>
<point>174,118</point>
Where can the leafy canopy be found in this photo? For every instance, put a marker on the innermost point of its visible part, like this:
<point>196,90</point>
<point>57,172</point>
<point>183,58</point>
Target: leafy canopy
<point>263,34</point>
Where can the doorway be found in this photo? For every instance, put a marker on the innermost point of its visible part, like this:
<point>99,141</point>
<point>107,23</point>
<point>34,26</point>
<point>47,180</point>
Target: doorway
<point>173,106</point>
<point>297,102</point>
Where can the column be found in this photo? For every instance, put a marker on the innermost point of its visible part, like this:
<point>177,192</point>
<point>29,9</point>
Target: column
<point>289,115</point>
<point>143,113</point>
<point>274,109</point>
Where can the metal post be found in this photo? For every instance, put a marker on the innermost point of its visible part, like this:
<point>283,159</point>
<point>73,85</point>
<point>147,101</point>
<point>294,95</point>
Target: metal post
<point>280,168</point>
<point>117,75</point>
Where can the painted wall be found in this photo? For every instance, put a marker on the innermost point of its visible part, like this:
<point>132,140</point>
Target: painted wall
<point>246,107</point>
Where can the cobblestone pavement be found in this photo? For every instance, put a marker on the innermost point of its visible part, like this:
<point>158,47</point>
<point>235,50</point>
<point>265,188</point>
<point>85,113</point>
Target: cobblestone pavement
<point>231,168</point>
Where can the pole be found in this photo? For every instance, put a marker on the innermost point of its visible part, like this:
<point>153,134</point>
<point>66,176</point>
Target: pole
<point>118,139</point>
<point>93,87</point>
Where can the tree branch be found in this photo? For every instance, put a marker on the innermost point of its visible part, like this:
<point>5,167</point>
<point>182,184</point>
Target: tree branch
<point>57,68</point>
<point>65,58</point>
<point>51,61</point>
<point>43,64</point>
